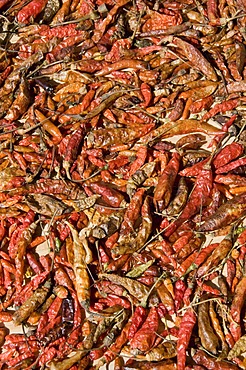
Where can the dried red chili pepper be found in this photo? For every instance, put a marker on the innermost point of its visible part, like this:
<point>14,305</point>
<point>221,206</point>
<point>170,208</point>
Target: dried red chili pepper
<point>145,336</point>
<point>199,196</point>
<point>231,166</point>
<point>221,108</point>
<point>196,58</point>
<point>194,243</point>
<point>163,190</point>
<point>213,12</point>
<point>200,105</point>
<point>207,335</point>
<point>102,139</point>
<point>31,10</point>
<point>184,335</point>
<point>111,196</point>
<point>227,154</point>
<point>227,213</point>
<point>179,290</point>
<point>195,169</point>
<point>165,297</point>
<point>132,212</point>
<point>140,160</point>
<point>202,358</point>
<point>136,321</point>
<point>113,300</point>
<point>72,149</point>
<point>218,253</point>
<point>238,300</point>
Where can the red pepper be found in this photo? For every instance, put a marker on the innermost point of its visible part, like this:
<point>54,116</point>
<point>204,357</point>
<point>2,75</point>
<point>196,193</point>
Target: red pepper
<point>54,308</point>
<point>31,10</point>
<point>113,300</point>
<point>147,95</point>
<point>238,300</point>
<point>201,358</point>
<point>103,255</point>
<point>213,13</point>
<point>111,353</point>
<point>231,272</point>
<point>146,335</point>
<point>205,253</point>
<point>221,108</point>
<point>198,198</point>
<point>235,330</point>
<point>179,291</point>
<point>34,263</point>
<point>208,288</point>
<point>72,149</point>
<point>162,311</point>
<point>163,190</point>
<point>132,212</point>
<point>139,161</point>
<point>117,264</point>
<point>182,241</point>
<point>109,195</point>
<point>185,330</point>
<point>227,154</point>
<point>231,166</point>
<point>136,321</point>
<point>95,354</point>
<point>194,170</point>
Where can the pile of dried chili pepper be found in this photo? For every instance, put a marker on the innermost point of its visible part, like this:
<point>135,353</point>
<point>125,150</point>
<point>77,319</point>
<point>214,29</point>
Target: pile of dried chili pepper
<point>122,136</point>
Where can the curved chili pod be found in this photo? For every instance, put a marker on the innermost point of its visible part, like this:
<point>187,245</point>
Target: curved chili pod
<point>229,212</point>
<point>196,58</point>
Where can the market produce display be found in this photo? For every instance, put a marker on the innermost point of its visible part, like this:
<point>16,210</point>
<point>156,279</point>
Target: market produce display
<point>122,135</point>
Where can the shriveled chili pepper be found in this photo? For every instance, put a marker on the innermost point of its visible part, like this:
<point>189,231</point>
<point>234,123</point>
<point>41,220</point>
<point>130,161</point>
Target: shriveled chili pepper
<point>136,321</point>
<point>217,328</point>
<point>226,213</point>
<point>31,303</point>
<point>71,149</point>
<point>202,358</point>
<point>195,169</point>
<point>196,58</point>
<point>221,108</point>
<point>141,157</point>
<point>49,127</point>
<point>193,244</point>
<point>237,349</point>
<point>113,300</point>
<point>207,335</point>
<point>132,212</point>
<point>202,189</point>
<point>227,154</point>
<point>220,252</point>
<point>231,272</point>
<point>110,195</point>
<point>179,290</point>
<point>165,297</point>
<point>238,300</point>
<point>142,235</point>
<point>145,336</point>
<point>31,10</point>
<point>184,335</point>
<point>163,190</point>
<point>231,166</point>
<point>102,139</point>
<point>134,287</point>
